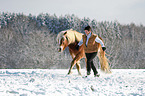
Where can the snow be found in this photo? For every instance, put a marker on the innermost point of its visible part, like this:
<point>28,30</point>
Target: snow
<point>55,82</point>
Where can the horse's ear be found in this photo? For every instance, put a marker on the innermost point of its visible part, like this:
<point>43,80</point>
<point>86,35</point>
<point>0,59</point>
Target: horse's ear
<point>65,33</point>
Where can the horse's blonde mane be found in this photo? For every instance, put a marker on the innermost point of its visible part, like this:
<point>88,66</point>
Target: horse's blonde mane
<point>72,36</point>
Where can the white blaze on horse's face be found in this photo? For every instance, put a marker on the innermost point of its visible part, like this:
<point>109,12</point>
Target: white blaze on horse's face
<point>62,44</point>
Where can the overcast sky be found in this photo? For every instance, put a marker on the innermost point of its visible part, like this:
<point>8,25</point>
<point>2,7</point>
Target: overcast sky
<point>124,11</point>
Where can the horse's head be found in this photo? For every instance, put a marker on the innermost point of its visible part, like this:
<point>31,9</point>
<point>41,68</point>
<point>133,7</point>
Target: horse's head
<point>63,41</point>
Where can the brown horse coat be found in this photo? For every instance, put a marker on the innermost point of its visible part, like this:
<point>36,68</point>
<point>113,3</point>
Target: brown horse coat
<point>71,38</point>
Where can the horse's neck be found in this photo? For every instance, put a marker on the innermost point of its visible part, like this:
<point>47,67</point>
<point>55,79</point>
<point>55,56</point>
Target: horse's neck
<point>73,42</point>
<point>72,46</point>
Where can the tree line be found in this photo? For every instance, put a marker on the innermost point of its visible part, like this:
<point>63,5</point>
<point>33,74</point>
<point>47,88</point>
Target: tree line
<point>30,41</point>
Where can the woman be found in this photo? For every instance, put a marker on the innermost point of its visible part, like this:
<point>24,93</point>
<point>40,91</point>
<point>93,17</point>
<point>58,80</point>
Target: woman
<point>90,43</point>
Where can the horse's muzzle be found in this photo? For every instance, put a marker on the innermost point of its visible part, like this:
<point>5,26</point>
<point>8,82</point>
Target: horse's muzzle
<point>59,50</point>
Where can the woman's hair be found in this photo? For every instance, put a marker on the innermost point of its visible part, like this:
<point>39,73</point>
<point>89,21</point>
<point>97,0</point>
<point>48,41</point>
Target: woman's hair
<point>87,28</point>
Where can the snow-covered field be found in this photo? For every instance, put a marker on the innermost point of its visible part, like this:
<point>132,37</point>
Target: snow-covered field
<point>55,82</point>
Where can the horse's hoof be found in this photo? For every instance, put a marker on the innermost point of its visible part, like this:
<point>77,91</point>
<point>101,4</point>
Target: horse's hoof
<point>80,74</point>
<point>69,73</point>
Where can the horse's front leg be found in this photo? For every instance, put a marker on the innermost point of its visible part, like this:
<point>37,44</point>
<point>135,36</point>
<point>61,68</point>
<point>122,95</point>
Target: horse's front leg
<point>72,63</point>
<point>71,67</point>
<point>77,62</point>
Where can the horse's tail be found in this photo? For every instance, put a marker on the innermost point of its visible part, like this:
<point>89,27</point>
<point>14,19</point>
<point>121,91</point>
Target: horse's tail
<point>104,62</point>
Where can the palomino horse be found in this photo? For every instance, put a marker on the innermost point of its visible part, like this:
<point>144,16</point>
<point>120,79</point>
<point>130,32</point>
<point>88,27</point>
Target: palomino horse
<point>71,38</point>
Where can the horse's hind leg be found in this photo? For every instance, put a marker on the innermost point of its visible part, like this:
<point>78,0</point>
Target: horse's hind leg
<point>78,67</point>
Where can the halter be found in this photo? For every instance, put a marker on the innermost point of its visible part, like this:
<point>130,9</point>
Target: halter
<point>63,37</point>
